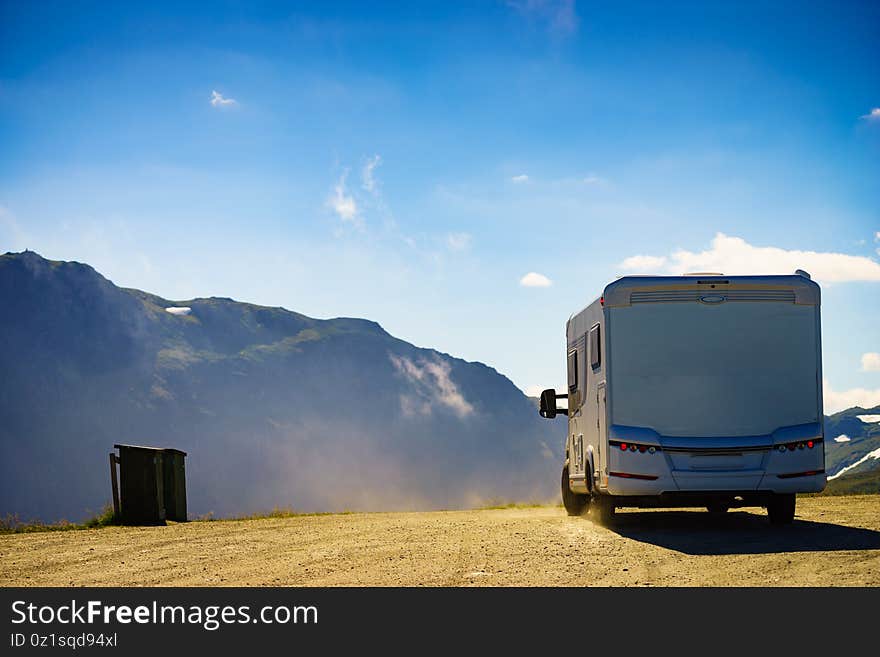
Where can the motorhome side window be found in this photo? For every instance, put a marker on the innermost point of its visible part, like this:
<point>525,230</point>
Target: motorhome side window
<point>595,349</point>
<point>572,370</point>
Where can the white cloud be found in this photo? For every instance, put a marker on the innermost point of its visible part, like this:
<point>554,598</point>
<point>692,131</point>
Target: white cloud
<point>871,362</point>
<point>593,179</point>
<point>535,391</point>
<point>644,263</point>
<point>343,203</point>
<point>840,400</point>
<point>873,115</point>
<point>369,181</point>
<point>733,255</point>
<point>15,238</point>
<point>217,100</point>
<point>534,279</point>
<point>430,384</point>
<point>521,178</point>
<point>877,236</point>
<point>411,405</point>
<point>559,16</point>
<point>458,241</point>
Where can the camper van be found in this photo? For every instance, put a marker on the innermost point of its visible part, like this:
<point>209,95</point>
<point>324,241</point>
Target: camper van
<point>699,390</point>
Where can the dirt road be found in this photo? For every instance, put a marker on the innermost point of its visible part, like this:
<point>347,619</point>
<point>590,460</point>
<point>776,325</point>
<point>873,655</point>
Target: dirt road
<point>833,541</point>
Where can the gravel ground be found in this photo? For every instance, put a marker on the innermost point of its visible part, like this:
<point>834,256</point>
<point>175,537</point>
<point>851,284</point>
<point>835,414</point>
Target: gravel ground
<point>834,541</point>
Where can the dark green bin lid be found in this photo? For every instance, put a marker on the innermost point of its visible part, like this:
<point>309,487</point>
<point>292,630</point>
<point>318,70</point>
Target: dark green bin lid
<point>151,449</point>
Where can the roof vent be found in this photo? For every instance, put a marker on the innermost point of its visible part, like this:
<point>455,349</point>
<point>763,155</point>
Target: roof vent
<point>703,273</point>
<point>801,272</point>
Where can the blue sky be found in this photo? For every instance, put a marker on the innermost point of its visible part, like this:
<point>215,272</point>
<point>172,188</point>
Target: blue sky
<point>413,164</point>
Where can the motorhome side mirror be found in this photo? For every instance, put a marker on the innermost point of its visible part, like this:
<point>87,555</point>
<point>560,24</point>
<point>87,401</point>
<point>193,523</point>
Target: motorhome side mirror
<point>548,404</point>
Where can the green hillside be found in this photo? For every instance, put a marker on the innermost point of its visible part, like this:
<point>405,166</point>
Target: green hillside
<point>855,484</point>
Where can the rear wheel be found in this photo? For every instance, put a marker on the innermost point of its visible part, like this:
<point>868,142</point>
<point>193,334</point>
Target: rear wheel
<point>781,509</point>
<point>574,503</point>
<point>604,509</point>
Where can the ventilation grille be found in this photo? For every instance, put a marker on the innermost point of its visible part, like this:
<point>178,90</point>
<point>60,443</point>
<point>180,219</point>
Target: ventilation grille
<point>784,296</point>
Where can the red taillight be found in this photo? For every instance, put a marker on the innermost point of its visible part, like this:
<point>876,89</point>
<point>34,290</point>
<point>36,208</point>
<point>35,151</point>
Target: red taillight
<point>630,475</point>
<point>601,301</point>
<point>810,444</point>
<point>808,473</point>
<point>635,447</point>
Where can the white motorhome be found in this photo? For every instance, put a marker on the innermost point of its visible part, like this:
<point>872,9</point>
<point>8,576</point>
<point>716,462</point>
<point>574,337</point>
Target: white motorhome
<point>699,390</point>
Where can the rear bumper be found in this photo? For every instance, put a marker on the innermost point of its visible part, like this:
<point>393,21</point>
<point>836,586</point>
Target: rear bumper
<point>694,499</point>
<point>728,484</point>
<point>784,463</point>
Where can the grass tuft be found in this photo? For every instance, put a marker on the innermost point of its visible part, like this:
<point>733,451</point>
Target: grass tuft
<point>13,524</point>
<point>493,505</point>
<point>277,512</point>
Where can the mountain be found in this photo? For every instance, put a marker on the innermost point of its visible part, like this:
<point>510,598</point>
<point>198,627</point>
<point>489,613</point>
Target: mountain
<point>852,441</point>
<point>273,407</point>
<point>860,483</point>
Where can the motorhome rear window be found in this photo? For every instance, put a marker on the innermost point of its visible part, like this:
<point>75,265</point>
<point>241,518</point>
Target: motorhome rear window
<point>701,370</point>
<point>595,349</point>
<point>572,370</point>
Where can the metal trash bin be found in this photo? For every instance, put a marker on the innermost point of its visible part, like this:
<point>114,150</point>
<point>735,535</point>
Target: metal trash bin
<point>174,484</point>
<point>151,486</point>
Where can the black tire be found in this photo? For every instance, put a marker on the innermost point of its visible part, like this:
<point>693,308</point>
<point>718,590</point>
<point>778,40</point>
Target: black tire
<point>574,503</point>
<point>717,509</point>
<point>781,509</point>
<point>604,509</point>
